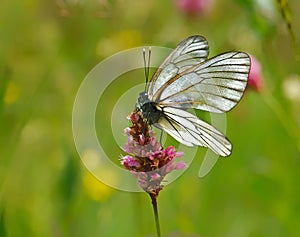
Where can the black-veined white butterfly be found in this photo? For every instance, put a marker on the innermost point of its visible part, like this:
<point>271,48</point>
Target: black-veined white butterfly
<point>187,79</point>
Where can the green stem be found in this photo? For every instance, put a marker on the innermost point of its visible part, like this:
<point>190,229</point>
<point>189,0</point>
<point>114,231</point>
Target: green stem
<point>285,120</point>
<point>154,205</point>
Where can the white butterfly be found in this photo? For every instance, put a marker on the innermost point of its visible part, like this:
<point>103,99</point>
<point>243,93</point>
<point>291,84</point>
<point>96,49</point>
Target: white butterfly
<point>187,79</point>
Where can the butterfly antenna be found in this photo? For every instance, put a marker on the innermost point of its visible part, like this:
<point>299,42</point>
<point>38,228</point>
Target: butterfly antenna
<point>146,65</point>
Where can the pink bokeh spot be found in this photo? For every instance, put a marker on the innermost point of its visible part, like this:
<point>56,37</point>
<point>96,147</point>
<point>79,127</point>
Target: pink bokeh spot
<point>255,80</point>
<point>193,7</point>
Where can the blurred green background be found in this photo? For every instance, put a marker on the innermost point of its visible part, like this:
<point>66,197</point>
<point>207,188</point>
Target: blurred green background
<point>46,50</point>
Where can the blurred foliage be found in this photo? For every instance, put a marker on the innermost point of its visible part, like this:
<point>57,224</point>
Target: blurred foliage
<point>46,50</point>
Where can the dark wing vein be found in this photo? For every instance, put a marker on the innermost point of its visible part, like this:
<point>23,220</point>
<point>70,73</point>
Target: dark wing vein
<point>188,53</point>
<point>190,130</point>
<point>210,83</point>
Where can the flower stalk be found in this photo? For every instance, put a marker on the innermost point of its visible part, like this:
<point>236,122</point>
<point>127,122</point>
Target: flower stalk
<point>148,161</point>
<point>155,209</point>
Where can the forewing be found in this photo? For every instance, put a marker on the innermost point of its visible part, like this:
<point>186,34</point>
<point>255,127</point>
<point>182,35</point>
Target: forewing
<point>190,52</point>
<point>215,85</point>
<point>190,130</point>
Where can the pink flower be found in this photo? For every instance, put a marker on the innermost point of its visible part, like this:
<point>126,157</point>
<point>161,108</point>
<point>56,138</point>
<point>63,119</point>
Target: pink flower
<point>193,7</point>
<point>170,151</point>
<point>127,131</point>
<point>255,80</point>
<point>149,162</point>
<point>180,165</point>
<point>129,162</point>
<point>155,176</point>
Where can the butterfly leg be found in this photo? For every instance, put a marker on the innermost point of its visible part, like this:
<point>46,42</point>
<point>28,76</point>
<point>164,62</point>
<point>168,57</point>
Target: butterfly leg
<point>160,137</point>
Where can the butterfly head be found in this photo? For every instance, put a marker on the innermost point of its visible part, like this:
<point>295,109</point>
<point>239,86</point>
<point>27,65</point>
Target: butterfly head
<point>143,99</point>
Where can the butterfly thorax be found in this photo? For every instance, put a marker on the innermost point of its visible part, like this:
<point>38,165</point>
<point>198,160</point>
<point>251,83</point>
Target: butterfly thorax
<point>149,109</point>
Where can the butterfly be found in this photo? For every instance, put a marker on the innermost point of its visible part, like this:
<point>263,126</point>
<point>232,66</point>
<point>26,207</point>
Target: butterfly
<point>187,79</point>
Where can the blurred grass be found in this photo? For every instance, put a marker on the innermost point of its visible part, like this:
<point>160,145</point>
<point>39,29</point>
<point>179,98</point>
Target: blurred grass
<point>46,50</point>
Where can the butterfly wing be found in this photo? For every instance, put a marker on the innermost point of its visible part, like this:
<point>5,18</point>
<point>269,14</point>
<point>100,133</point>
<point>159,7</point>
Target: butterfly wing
<point>188,53</point>
<point>215,85</point>
<point>187,80</point>
<point>189,130</point>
